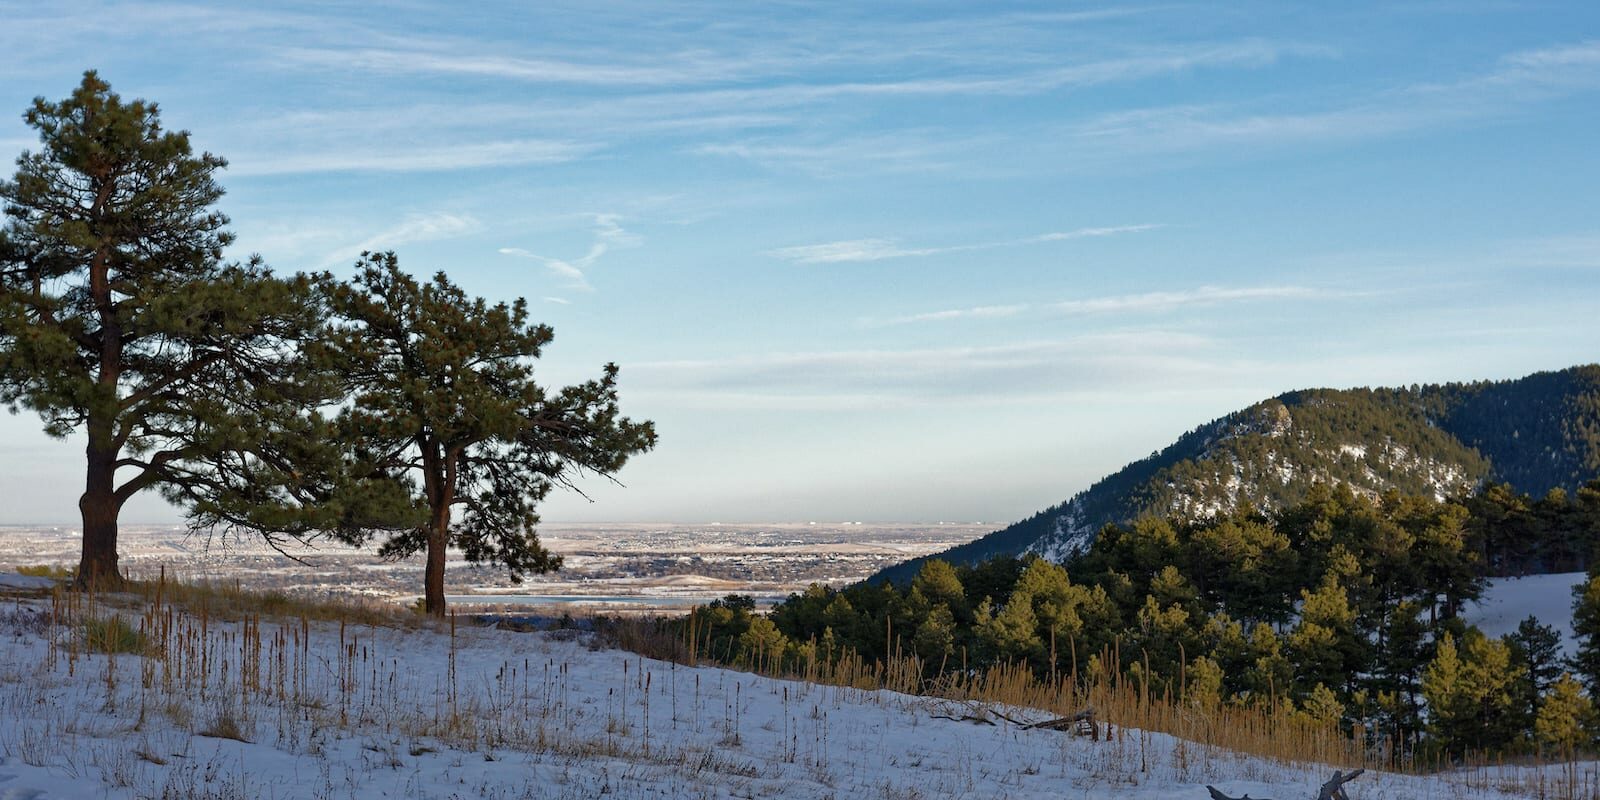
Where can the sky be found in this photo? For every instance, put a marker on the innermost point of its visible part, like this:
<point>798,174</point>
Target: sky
<point>894,261</point>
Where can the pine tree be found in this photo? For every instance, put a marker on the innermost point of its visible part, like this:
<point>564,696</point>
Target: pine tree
<point>443,389</point>
<point>1586,625</point>
<point>1325,646</point>
<point>119,318</point>
<point>1399,661</point>
<point>935,638</point>
<point>1536,651</point>
<point>1012,633</point>
<point>938,582</point>
<point>1469,693</point>
<point>1566,717</point>
<point>1322,706</point>
<point>1203,689</point>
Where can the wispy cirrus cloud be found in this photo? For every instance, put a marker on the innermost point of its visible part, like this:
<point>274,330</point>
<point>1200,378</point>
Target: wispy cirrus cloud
<point>1145,303</point>
<point>1558,57</point>
<point>690,69</point>
<point>445,155</point>
<point>607,233</point>
<point>414,228</point>
<point>947,315</point>
<point>1150,302</point>
<point>856,250</point>
<point>572,272</point>
<point>460,62</point>
<point>931,376</point>
<point>1515,82</point>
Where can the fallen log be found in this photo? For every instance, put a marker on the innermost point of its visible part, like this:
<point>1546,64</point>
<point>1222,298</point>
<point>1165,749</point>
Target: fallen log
<point>1062,723</point>
<point>1216,795</point>
<point>1332,790</point>
<point>966,718</point>
<point>1082,723</point>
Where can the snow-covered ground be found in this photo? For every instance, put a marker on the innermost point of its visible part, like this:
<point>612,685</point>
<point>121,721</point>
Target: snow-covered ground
<point>327,710</point>
<point>1509,601</point>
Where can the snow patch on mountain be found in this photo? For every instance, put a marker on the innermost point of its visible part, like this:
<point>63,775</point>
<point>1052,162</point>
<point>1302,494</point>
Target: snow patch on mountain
<point>1070,536</point>
<point>1232,482</point>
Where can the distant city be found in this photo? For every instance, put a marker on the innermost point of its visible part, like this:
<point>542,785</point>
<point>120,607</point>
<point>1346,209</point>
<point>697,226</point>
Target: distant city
<point>609,568</point>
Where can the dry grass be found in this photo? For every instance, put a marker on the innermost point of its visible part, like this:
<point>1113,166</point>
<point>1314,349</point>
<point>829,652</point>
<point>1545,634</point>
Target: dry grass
<point>114,635</point>
<point>302,675</point>
<point>57,571</point>
<point>230,600</point>
<point>1127,708</point>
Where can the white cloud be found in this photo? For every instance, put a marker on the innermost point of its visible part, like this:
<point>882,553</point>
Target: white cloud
<point>738,62</point>
<point>1517,81</point>
<point>850,250</point>
<point>362,157</point>
<point>1150,302</point>
<point>1558,57</point>
<point>977,312</point>
<point>413,61</point>
<point>1168,301</point>
<point>1084,233</point>
<point>414,228</point>
<point>900,151</point>
<point>560,301</point>
<point>926,376</point>
<point>607,232</point>
<point>570,271</point>
<point>879,249</point>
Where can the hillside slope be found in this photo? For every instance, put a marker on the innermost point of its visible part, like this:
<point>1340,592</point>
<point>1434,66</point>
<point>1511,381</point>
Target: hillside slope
<point>1535,433</point>
<point>295,708</point>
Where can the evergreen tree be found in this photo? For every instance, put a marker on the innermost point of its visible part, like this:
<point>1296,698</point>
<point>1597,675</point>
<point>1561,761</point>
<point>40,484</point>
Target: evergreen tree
<point>1536,651</point>
<point>1586,625</point>
<point>444,390</point>
<point>1401,654</point>
<point>119,318</point>
<point>1469,694</point>
<point>1322,706</point>
<point>1246,565</point>
<point>1566,718</point>
<point>1203,689</point>
<point>762,642</point>
<point>1325,645</point>
<point>1012,633</point>
<point>935,638</point>
<point>1055,603</point>
<point>938,582</point>
<point>1271,677</point>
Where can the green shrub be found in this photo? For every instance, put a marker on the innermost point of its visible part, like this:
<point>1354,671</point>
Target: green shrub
<point>114,635</point>
<point>58,571</point>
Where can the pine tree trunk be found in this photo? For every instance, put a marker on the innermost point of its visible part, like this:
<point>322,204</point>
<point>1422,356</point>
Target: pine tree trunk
<point>99,504</point>
<point>433,576</point>
<point>98,567</point>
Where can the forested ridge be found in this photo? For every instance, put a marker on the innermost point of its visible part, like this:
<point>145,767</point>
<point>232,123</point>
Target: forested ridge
<point>1535,434</point>
<point>1338,608</point>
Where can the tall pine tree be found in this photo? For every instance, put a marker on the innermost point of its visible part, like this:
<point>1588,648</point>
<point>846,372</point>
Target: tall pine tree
<point>119,319</point>
<point>1586,625</point>
<point>444,403</point>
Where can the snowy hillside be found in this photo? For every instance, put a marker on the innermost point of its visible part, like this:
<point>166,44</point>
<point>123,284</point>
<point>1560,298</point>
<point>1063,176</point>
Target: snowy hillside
<point>306,709</point>
<point>1509,601</point>
<point>1534,433</point>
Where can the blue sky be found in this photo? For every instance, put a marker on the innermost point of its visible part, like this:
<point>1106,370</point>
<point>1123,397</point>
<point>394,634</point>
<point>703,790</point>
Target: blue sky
<point>896,261</point>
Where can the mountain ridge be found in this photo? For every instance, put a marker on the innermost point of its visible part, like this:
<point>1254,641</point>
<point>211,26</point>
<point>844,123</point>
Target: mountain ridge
<point>1536,433</point>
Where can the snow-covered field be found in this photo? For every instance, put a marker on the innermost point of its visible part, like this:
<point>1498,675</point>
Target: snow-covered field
<point>1509,601</point>
<point>612,567</point>
<point>295,709</point>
